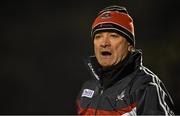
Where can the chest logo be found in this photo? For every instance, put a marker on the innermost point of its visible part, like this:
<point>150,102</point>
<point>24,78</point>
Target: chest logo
<point>87,93</point>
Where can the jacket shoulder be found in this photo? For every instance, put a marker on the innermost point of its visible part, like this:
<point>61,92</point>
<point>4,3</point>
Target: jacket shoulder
<point>143,78</point>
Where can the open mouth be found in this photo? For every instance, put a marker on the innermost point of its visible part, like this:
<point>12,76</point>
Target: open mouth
<point>106,53</point>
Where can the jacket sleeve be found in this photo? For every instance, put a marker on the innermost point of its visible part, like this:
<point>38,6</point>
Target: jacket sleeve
<point>153,99</point>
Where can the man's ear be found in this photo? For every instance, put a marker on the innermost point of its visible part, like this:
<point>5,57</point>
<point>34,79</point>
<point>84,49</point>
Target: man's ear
<point>130,47</point>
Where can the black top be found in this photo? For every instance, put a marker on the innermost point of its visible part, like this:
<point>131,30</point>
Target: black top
<point>127,88</point>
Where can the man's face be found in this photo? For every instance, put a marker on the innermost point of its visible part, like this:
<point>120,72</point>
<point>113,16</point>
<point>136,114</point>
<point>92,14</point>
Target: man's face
<point>110,48</point>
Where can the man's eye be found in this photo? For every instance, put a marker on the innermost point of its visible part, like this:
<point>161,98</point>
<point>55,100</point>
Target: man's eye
<point>97,36</point>
<point>114,35</point>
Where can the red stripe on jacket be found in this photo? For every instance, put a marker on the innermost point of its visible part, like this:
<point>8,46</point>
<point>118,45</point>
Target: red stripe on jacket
<point>91,111</point>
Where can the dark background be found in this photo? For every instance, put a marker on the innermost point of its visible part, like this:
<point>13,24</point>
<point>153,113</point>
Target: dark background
<point>43,44</point>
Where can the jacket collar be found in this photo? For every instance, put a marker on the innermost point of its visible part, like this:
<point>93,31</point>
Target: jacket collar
<point>113,74</point>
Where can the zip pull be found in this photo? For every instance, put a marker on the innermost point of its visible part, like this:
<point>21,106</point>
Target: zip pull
<point>101,90</point>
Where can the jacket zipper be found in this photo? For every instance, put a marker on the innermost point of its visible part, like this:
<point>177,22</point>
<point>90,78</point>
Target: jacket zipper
<point>100,93</point>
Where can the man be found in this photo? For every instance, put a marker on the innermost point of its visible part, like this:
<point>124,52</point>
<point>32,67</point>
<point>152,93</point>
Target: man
<point>121,85</point>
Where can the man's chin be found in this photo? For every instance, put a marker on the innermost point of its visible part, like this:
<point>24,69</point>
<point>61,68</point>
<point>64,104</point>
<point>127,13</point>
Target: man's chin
<point>106,64</point>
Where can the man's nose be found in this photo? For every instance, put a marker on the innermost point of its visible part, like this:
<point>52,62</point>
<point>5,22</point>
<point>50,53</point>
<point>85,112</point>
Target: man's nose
<point>105,42</point>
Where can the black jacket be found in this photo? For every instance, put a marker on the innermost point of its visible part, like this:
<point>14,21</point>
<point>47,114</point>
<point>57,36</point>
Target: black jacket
<point>127,88</point>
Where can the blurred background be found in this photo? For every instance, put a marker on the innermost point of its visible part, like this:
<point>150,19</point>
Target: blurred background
<point>43,44</point>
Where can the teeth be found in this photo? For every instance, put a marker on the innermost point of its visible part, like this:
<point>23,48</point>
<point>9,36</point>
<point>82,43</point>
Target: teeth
<point>105,53</point>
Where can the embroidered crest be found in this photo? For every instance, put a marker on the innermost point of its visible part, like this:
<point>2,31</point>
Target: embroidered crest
<point>121,96</point>
<point>106,15</point>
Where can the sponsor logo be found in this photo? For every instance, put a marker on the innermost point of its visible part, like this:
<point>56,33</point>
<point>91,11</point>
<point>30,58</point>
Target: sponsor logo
<point>87,93</point>
<point>105,25</point>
